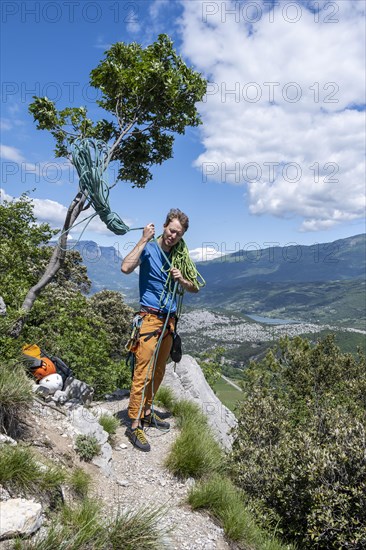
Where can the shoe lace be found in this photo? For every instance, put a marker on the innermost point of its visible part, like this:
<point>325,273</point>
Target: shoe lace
<point>139,432</point>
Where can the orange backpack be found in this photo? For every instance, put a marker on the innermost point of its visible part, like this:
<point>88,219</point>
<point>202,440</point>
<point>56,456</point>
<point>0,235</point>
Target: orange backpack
<point>39,365</point>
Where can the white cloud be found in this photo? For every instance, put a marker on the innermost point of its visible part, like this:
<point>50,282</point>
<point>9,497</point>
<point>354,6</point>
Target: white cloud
<point>4,196</point>
<point>277,114</point>
<point>205,253</point>
<point>157,7</point>
<point>5,124</point>
<point>54,213</point>
<point>11,153</point>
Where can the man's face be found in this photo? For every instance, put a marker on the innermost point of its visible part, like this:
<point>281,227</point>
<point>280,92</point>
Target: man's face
<point>173,232</point>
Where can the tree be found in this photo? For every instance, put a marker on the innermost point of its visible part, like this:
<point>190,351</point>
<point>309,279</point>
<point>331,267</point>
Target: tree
<point>87,333</point>
<point>299,448</point>
<point>211,364</point>
<point>150,94</point>
<point>117,317</point>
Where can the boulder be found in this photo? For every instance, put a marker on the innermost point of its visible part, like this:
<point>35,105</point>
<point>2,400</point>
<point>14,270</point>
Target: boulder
<point>188,382</point>
<point>7,440</point>
<point>75,392</point>
<point>19,517</point>
<point>85,423</point>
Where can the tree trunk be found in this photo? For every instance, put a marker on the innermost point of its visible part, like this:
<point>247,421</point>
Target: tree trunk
<point>56,261</point>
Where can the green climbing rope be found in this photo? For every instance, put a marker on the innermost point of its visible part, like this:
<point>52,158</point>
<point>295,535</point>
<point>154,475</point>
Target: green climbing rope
<point>180,259</point>
<point>89,157</point>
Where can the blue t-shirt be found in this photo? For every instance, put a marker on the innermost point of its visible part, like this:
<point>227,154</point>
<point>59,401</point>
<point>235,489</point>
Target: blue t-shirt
<point>153,278</point>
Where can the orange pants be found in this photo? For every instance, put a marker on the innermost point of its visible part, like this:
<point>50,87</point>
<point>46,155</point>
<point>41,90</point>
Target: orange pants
<point>146,379</point>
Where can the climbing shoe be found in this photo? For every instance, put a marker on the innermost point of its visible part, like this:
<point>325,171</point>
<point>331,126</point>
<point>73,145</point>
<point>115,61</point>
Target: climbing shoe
<point>138,439</point>
<point>152,420</point>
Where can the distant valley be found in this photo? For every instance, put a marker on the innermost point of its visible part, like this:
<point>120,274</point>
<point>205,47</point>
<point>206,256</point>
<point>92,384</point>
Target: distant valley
<point>322,283</point>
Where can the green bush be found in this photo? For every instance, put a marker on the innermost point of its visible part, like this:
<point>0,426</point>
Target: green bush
<point>87,333</point>
<point>300,443</point>
<point>87,447</point>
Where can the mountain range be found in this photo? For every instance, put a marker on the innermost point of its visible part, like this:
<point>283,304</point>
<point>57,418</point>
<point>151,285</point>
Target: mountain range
<point>323,281</point>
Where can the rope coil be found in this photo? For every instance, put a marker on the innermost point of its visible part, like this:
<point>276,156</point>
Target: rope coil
<point>89,157</point>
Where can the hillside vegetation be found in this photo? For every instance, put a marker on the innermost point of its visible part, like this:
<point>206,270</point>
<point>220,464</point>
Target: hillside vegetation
<point>89,334</point>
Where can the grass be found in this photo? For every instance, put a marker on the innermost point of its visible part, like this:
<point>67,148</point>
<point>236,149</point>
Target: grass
<point>20,469</point>
<point>195,453</point>
<point>73,528</point>
<point>164,396</point>
<point>227,394</point>
<point>15,398</point>
<point>109,424</point>
<point>81,528</point>
<point>225,502</point>
<point>80,482</point>
<point>139,530</point>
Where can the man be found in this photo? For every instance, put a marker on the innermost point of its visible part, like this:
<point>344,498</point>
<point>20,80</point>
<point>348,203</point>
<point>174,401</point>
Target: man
<point>157,302</point>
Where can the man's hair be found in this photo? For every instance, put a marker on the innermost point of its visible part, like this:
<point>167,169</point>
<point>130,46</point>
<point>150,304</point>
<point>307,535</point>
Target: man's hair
<point>176,214</point>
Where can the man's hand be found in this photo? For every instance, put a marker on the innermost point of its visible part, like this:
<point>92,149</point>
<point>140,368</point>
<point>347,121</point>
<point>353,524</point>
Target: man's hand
<point>148,232</point>
<point>177,276</point>
<point>132,260</point>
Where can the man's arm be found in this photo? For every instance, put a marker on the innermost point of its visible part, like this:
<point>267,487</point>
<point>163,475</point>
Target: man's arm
<point>187,285</point>
<point>132,260</point>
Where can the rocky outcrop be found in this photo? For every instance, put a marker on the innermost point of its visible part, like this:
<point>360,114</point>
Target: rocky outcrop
<point>19,517</point>
<point>187,381</point>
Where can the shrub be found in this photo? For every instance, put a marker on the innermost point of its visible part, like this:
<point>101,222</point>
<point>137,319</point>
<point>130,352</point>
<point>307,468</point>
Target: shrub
<point>300,443</point>
<point>87,447</point>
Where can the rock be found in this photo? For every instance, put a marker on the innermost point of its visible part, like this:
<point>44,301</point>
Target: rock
<point>7,440</point>
<point>188,382</point>
<point>20,517</point>
<point>4,494</point>
<point>74,391</point>
<point>116,395</point>
<point>122,482</point>
<point>85,423</point>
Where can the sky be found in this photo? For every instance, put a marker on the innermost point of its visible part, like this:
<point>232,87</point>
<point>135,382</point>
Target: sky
<point>279,157</point>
